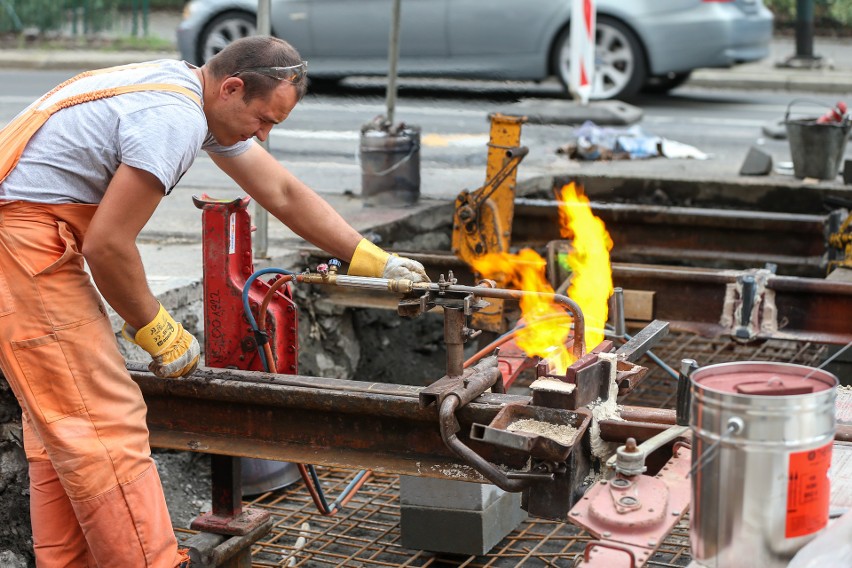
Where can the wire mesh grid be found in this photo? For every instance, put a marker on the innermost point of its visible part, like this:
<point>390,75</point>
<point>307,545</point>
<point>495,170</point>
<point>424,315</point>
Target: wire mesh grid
<point>366,532</point>
<point>659,389</point>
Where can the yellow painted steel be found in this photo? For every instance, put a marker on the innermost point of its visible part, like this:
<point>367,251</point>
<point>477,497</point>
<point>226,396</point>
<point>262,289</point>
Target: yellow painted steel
<point>842,242</point>
<point>482,220</point>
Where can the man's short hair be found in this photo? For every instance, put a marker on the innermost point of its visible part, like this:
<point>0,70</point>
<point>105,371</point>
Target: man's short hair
<point>257,51</point>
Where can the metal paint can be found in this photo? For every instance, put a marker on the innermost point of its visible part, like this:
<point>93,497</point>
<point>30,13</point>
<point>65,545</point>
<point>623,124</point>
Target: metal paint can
<point>762,439</point>
<point>390,166</point>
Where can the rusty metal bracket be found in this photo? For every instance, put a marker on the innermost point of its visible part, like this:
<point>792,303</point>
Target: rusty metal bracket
<point>465,387</point>
<point>208,550</point>
<point>564,464</point>
<point>749,305</point>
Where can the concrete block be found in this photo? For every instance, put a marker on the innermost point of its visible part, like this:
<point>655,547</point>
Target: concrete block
<point>756,163</point>
<point>429,492</point>
<point>460,531</point>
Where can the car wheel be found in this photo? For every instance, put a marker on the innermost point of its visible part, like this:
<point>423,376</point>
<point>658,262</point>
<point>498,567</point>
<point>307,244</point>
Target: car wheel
<point>619,60</point>
<point>224,29</point>
<point>664,83</point>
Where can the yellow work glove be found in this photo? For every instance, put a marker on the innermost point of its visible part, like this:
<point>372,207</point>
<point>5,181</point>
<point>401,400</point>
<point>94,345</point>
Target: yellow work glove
<point>370,260</point>
<point>174,350</point>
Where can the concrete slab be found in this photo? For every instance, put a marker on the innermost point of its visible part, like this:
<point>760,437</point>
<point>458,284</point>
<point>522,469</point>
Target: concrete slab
<point>607,113</point>
<point>427,492</point>
<point>459,531</point>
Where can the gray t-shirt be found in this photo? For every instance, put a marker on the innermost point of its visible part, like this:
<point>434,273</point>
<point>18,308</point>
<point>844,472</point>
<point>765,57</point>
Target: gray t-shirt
<point>73,157</point>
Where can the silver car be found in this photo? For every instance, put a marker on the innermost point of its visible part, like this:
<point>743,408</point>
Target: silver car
<point>641,44</point>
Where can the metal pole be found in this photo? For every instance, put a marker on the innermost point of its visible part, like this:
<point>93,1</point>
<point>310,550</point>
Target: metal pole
<point>805,28</point>
<point>261,216</point>
<point>146,9</point>
<point>804,57</point>
<point>393,58</point>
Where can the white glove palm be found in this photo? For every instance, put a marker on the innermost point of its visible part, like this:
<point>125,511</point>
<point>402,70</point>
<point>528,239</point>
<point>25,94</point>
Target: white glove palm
<point>401,267</point>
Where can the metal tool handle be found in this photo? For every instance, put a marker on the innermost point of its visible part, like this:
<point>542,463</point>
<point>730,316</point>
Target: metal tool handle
<point>684,396</point>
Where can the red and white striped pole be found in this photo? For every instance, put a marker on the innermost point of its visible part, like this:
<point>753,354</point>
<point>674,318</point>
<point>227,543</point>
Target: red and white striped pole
<point>582,49</point>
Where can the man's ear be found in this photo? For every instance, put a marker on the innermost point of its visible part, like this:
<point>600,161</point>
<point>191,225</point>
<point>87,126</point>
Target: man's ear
<point>231,86</point>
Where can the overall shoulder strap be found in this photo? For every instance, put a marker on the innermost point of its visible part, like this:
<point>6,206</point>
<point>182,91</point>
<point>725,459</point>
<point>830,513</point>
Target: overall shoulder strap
<point>113,91</point>
<point>17,134</point>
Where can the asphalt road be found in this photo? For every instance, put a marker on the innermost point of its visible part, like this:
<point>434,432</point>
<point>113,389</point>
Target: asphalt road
<point>320,141</point>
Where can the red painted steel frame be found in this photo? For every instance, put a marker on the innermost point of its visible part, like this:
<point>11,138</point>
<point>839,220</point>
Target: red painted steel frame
<point>228,264</point>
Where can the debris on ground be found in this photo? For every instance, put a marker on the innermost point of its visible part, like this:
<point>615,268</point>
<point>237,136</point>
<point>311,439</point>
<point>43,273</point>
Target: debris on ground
<point>593,142</point>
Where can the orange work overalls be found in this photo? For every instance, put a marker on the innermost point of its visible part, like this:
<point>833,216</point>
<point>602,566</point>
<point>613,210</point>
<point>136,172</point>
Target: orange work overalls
<point>95,495</point>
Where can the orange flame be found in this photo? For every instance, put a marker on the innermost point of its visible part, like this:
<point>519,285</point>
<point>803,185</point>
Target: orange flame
<point>591,283</point>
<point>591,280</point>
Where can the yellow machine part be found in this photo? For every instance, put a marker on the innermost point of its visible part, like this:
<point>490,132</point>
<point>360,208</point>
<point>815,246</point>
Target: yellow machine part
<point>482,220</point>
<point>842,242</point>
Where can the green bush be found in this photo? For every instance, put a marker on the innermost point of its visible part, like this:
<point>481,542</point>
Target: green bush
<point>827,13</point>
<point>77,16</point>
<point>166,4</point>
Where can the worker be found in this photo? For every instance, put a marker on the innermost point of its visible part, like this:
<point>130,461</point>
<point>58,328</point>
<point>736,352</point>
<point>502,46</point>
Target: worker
<point>81,172</point>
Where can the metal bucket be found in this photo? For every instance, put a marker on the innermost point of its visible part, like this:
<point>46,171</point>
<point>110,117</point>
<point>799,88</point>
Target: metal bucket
<point>763,434</point>
<point>816,149</point>
<point>390,166</point>
<point>260,476</point>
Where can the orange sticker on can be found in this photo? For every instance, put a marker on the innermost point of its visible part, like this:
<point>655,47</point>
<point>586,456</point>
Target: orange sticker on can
<point>808,491</point>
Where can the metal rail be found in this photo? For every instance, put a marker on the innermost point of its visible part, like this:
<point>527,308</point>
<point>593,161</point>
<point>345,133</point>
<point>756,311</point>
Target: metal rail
<point>685,236</point>
<point>332,422</point>
<point>698,300</point>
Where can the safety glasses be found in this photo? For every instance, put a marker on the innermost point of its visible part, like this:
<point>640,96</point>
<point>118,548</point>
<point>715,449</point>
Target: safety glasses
<point>291,74</point>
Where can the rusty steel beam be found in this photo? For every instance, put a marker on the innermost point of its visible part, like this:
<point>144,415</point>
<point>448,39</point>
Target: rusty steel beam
<point>683,236</point>
<point>691,299</point>
<point>314,420</point>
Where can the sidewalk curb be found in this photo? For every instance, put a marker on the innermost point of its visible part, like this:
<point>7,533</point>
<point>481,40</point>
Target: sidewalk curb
<point>76,60</point>
<point>820,81</point>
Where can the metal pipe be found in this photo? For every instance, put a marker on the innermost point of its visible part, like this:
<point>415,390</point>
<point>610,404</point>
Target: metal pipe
<point>683,398</point>
<point>449,427</point>
<point>617,315</point>
<point>454,320</point>
<point>579,346</point>
<point>405,286</point>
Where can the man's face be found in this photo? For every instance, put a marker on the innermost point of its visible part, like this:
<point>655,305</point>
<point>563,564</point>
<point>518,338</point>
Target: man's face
<point>232,120</point>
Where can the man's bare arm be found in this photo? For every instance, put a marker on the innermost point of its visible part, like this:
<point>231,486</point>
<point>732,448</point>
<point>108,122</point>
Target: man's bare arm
<point>291,201</point>
<point>110,244</point>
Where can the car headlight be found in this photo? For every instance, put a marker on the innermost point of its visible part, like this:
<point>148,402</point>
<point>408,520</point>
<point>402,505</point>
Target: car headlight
<point>189,9</point>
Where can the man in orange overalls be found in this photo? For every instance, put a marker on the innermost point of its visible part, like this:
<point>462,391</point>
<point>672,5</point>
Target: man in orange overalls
<point>81,172</point>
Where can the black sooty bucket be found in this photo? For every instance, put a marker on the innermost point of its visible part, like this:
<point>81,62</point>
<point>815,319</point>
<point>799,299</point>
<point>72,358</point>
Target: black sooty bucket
<point>816,149</point>
<point>390,166</point>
